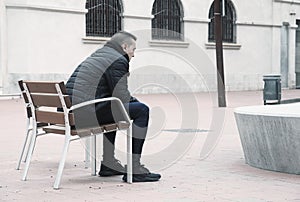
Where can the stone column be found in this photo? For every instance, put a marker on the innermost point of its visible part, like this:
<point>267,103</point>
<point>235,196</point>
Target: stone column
<point>292,56</point>
<point>284,56</point>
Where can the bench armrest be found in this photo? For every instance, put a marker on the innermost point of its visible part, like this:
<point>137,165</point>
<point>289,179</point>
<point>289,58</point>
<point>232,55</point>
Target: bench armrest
<point>121,106</point>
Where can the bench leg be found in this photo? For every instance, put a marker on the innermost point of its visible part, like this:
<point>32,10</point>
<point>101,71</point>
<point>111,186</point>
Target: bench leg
<point>87,152</point>
<point>23,149</point>
<point>29,153</point>
<point>62,163</point>
<point>129,155</point>
<point>93,154</point>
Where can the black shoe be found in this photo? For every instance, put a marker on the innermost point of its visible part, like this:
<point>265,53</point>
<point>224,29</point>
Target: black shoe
<point>142,174</point>
<point>111,168</point>
<point>142,170</point>
<point>141,178</point>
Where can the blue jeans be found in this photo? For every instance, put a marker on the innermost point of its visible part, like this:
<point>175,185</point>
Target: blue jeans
<point>139,113</point>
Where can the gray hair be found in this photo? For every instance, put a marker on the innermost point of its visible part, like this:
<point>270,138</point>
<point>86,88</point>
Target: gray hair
<point>123,37</point>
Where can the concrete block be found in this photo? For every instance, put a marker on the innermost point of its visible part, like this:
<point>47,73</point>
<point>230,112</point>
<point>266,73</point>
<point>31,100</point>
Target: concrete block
<point>270,136</point>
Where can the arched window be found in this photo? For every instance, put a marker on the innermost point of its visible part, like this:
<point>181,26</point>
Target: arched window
<point>104,17</point>
<point>228,22</point>
<point>167,22</point>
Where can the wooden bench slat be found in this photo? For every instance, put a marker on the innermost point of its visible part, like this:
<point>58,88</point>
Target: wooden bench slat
<point>110,127</point>
<point>49,100</point>
<point>53,117</point>
<point>59,130</point>
<point>44,87</point>
<point>40,124</point>
<point>122,125</point>
<point>97,130</point>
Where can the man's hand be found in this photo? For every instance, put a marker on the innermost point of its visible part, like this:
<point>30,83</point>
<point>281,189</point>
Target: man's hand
<point>134,99</point>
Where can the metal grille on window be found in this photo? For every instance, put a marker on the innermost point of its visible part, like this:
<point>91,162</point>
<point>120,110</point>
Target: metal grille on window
<point>103,18</point>
<point>167,21</point>
<point>228,23</point>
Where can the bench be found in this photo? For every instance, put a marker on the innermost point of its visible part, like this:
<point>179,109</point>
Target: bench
<point>45,98</point>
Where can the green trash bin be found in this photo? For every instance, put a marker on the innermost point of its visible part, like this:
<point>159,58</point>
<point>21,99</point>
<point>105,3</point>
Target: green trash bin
<point>272,88</point>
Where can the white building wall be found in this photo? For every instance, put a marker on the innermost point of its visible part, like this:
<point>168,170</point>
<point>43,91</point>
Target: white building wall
<point>3,43</point>
<point>46,41</point>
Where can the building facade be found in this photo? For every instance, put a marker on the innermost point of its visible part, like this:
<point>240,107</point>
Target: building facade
<point>46,40</point>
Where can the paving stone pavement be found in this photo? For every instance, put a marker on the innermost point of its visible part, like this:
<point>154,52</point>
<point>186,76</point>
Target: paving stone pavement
<point>181,128</point>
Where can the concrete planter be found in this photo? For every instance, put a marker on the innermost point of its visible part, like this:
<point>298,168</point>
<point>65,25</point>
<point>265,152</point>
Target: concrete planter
<point>270,136</point>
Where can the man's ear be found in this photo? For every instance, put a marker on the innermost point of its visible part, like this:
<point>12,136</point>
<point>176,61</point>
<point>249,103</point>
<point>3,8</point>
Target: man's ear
<point>124,46</point>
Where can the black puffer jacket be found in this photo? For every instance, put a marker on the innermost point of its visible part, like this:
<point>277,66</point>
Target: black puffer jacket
<point>103,74</point>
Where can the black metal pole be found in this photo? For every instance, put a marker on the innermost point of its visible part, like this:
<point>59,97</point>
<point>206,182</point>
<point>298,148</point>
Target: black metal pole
<point>219,53</point>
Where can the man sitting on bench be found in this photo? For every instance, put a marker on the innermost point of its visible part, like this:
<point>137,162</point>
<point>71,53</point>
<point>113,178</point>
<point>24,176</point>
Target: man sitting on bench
<point>104,74</point>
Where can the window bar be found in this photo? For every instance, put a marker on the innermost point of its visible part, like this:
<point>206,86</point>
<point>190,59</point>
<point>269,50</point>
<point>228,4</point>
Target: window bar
<point>92,10</point>
<point>93,16</point>
<point>167,20</point>
<point>102,19</point>
<point>160,22</point>
<point>108,17</point>
<point>97,19</point>
<point>119,24</point>
<point>87,19</point>
<point>116,17</point>
<point>112,18</point>
<point>104,14</point>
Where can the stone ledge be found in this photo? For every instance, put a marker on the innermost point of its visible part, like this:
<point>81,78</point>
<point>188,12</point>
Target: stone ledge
<point>46,8</point>
<point>229,46</point>
<point>284,110</point>
<point>95,40</point>
<point>172,44</point>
